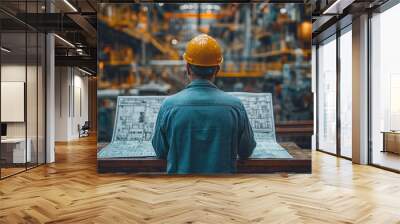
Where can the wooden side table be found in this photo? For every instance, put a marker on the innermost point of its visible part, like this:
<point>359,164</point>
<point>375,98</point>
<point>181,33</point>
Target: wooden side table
<point>391,141</point>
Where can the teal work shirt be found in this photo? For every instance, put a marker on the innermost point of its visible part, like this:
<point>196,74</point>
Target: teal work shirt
<point>202,129</point>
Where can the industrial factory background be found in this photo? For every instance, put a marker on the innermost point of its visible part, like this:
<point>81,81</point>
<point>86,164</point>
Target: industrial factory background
<point>266,49</point>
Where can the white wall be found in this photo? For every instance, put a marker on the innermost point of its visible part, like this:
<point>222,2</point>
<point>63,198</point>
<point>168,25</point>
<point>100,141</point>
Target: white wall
<point>71,102</point>
<point>80,105</point>
<point>61,103</point>
<point>13,72</point>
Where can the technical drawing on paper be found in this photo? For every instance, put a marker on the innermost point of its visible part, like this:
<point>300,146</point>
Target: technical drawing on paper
<point>136,117</point>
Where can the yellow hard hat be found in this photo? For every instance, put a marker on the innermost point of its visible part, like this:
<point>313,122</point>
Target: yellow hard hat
<point>203,50</point>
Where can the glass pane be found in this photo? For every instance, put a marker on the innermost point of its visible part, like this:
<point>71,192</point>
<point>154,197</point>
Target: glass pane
<point>23,81</point>
<point>13,86</point>
<point>31,97</point>
<point>385,83</point>
<point>41,99</point>
<point>327,96</point>
<point>32,87</point>
<point>346,94</point>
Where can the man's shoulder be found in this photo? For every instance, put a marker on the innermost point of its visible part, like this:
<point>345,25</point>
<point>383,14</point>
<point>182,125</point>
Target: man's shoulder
<point>227,98</point>
<point>230,97</point>
<point>172,100</point>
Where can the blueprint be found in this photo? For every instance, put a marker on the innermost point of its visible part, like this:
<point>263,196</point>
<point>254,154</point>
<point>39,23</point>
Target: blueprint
<point>136,117</point>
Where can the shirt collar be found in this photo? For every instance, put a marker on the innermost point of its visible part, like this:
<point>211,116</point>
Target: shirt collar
<point>201,82</point>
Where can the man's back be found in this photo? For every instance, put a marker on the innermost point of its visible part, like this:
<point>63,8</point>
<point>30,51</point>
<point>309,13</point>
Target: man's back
<point>202,130</point>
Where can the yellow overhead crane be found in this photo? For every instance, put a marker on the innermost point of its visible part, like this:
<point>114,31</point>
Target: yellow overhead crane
<point>240,74</point>
<point>124,56</point>
<point>257,70</point>
<point>135,25</point>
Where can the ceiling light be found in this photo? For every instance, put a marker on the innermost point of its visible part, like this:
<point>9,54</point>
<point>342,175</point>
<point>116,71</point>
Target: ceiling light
<point>65,41</point>
<point>70,5</point>
<point>334,5</point>
<point>84,71</point>
<point>338,6</point>
<point>5,50</point>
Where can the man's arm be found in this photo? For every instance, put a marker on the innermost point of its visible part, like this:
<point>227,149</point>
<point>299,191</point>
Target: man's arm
<point>246,141</point>
<point>159,141</point>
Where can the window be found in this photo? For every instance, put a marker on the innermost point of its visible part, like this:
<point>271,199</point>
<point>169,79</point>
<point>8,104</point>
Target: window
<point>327,96</point>
<point>385,89</point>
<point>346,93</point>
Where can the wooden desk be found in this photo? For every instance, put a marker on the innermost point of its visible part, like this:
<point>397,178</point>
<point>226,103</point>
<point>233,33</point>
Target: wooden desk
<point>301,163</point>
<point>13,150</point>
<point>391,141</point>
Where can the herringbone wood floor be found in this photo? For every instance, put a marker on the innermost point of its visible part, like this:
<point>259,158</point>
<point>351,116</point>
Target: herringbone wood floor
<point>70,191</point>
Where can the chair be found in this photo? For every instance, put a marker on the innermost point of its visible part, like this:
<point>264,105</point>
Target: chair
<point>84,130</point>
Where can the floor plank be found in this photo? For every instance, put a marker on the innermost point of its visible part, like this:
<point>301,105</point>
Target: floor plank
<point>71,191</point>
